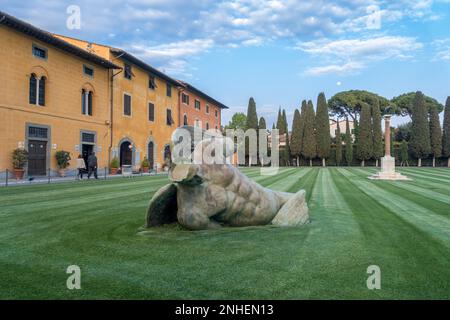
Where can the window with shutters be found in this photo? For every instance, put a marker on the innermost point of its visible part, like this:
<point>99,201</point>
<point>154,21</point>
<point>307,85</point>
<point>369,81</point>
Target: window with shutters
<point>185,98</point>
<point>126,105</point>
<point>151,82</point>
<point>169,120</point>
<point>207,109</point>
<point>217,113</point>
<point>168,90</point>
<point>197,104</point>
<point>127,73</point>
<point>185,120</point>
<point>151,112</point>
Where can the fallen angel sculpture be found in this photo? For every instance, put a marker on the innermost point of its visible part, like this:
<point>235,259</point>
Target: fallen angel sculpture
<point>205,196</point>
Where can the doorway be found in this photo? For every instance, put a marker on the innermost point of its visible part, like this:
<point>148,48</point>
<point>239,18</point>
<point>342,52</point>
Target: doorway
<point>37,157</point>
<point>126,154</point>
<point>86,150</point>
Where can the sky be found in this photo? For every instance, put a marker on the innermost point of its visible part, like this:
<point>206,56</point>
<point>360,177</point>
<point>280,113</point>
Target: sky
<point>279,52</point>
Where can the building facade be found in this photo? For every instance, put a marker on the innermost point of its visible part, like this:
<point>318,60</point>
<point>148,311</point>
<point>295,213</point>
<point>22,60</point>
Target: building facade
<point>197,109</point>
<point>73,95</point>
<point>54,97</point>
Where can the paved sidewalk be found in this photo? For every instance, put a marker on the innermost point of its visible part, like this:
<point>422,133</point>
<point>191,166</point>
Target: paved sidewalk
<point>45,180</point>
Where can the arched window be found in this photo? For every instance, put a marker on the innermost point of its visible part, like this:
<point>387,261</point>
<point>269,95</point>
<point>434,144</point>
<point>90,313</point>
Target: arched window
<point>185,120</point>
<point>207,126</point>
<point>37,90</point>
<point>33,91</point>
<point>86,102</point>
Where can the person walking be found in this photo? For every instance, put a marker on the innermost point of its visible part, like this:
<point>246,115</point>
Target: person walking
<point>81,166</point>
<point>92,165</point>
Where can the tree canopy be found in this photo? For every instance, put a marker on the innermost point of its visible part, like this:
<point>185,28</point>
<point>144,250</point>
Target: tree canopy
<point>296,137</point>
<point>404,103</point>
<point>238,121</point>
<point>349,103</point>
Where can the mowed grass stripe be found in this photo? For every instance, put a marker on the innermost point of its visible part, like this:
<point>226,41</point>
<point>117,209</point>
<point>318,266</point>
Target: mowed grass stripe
<point>75,199</point>
<point>35,193</point>
<point>432,173</point>
<point>327,197</point>
<point>286,183</point>
<point>401,249</point>
<point>425,177</point>
<point>424,219</point>
<point>432,200</point>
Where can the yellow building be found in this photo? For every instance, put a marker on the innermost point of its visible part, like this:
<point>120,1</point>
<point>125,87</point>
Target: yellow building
<point>53,96</point>
<point>62,93</point>
<point>145,112</point>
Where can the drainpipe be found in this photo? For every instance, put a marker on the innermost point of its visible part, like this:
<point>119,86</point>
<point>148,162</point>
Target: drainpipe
<point>180,91</point>
<point>111,108</point>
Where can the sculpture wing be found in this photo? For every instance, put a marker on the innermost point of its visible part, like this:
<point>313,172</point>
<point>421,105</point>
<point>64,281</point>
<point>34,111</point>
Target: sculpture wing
<point>162,208</point>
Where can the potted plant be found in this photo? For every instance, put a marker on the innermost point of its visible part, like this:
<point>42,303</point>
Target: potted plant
<point>63,161</point>
<point>19,160</point>
<point>114,165</point>
<point>145,165</point>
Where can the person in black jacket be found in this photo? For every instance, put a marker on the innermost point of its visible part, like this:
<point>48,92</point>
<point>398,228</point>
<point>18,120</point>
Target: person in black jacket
<point>92,165</point>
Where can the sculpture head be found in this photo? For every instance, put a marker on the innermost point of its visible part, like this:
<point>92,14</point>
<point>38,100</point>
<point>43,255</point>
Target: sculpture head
<point>188,174</point>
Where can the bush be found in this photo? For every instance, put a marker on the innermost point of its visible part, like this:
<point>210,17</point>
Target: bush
<point>19,158</point>
<point>114,163</point>
<point>62,159</point>
<point>145,163</point>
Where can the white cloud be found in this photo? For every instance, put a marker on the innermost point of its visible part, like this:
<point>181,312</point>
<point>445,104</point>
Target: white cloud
<point>442,49</point>
<point>355,54</point>
<point>172,50</point>
<point>375,48</point>
<point>346,68</point>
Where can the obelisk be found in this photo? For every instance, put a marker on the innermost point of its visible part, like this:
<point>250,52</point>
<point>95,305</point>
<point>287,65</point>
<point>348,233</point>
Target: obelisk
<point>388,162</point>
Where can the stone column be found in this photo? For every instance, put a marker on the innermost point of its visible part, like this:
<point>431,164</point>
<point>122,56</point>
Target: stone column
<point>387,136</point>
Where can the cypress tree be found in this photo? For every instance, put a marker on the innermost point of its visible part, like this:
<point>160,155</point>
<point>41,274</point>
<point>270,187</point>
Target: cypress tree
<point>287,149</point>
<point>309,148</point>
<point>296,137</point>
<point>376,131</point>
<point>323,129</point>
<point>446,132</point>
<point>252,122</point>
<point>420,133</point>
<point>364,146</point>
<point>435,134</point>
<point>280,125</point>
<point>404,154</point>
<point>338,144</point>
<point>348,144</point>
<point>262,125</point>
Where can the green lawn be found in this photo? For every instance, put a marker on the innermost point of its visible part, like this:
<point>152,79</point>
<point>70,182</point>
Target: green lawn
<point>403,227</point>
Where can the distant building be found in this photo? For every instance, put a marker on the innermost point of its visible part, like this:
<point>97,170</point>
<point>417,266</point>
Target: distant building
<point>342,126</point>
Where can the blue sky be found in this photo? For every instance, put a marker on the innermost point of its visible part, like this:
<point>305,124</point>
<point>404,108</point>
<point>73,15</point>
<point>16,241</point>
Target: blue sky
<point>279,52</point>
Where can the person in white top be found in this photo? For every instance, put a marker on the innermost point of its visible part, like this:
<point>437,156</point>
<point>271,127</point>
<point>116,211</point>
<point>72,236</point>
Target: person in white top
<point>81,166</point>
